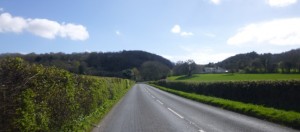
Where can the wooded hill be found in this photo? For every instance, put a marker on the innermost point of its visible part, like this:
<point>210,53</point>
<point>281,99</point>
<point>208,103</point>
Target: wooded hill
<point>286,62</point>
<point>122,64</point>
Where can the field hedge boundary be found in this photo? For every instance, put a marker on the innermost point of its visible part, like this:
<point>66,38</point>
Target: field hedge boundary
<point>280,94</point>
<point>38,98</point>
<point>287,118</point>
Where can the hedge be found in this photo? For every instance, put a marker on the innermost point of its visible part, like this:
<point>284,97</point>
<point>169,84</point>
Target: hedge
<point>37,98</point>
<point>276,94</point>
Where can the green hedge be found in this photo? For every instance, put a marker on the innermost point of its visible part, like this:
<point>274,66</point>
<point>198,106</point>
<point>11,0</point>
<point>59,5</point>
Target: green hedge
<point>277,94</point>
<point>37,98</point>
<point>288,118</point>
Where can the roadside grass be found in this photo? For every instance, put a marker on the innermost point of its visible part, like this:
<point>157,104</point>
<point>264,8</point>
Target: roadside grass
<point>288,118</point>
<point>233,77</point>
<point>87,123</point>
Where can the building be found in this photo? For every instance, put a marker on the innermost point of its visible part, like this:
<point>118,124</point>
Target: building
<point>214,70</point>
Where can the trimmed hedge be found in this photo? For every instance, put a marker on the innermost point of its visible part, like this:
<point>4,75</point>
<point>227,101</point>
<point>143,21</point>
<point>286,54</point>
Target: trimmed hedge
<point>277,94</point>
<point>37,98</point>
<point>288,118</point>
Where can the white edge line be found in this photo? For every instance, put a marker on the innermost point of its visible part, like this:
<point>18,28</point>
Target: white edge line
<point>175,113</point>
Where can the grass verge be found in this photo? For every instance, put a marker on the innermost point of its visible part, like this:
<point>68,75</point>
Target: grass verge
<point>87,123</point>
<point>288,118</point>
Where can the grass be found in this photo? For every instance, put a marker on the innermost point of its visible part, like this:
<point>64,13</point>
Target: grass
<point>288,118</point>
<point>87,123</point>
<point>233,77</point>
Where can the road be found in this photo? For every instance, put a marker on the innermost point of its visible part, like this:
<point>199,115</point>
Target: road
<point>147,109</point>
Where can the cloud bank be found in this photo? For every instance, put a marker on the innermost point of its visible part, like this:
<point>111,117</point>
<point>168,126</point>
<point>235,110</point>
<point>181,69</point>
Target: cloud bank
<point>281,3</point>
<point>282,32</point>
<point>42,27</point>
<point>199,55</point>
<point>177,30</point>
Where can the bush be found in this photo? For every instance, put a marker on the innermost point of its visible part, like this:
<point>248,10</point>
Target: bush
<point>37,98</point>
<point>288,118</point>
<point>277,94</point>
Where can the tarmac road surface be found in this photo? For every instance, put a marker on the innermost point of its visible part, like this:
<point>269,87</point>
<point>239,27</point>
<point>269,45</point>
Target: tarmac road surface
<point>147,109</point>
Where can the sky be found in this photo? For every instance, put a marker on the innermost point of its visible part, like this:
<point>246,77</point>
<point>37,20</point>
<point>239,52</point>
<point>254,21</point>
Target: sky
<point>202,30</point>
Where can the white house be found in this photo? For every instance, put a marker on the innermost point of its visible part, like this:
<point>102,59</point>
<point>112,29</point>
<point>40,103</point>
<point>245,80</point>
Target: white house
<point>214,70</point>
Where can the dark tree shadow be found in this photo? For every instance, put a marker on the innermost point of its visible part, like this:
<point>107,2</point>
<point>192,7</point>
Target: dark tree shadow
<point>185,77</point>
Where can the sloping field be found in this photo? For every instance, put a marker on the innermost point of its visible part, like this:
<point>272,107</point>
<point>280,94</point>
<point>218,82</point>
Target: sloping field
<point>234,77</point>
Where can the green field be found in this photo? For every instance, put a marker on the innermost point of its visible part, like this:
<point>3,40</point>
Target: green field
<point>234,77</point>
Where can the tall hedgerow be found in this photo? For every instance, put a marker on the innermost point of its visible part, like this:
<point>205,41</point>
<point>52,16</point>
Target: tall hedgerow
<point>278,94</point>
<point>37,98</point>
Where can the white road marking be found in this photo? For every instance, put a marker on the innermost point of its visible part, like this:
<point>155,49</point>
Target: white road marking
<point>175,113</point>
<point>160,102</point>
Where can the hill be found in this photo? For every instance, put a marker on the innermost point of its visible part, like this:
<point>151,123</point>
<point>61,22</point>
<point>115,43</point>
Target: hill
<point>112,64</point>
<point>286,62</point>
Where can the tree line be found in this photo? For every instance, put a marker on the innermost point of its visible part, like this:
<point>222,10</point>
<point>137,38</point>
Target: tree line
<point>144,66</point>
<point>286,62</point>
<point>136,65</point>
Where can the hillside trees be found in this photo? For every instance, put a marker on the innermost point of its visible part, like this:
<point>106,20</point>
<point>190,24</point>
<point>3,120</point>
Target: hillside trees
<point>286,62</point>
<point>110,64</point>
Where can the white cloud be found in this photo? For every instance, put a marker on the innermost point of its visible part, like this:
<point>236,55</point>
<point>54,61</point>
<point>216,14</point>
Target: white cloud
<point>118,32</point>
<point>199,54</point>
<point>176,29</point>
<point>42,27</point>
<point>216,2</point>
<point>277,32</point>
<point>9,23</point>
<point>280,3</point>
<point>186,34</point>
<point>74,32</point>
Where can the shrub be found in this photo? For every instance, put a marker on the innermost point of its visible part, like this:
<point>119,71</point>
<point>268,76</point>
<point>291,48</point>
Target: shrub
<point>37,98</point>
<point>277,94</point>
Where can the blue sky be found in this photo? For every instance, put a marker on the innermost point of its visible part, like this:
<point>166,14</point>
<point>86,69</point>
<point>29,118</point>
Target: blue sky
<point>202,30</point>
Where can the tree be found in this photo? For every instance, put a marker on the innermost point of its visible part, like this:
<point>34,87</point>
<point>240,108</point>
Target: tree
<point>257,65</point>
<point>136,74</point>
<point>180,68</point>
<point>185,68</point>
<point>127,73</point>
<point>153,70</point>
<point>191,67</point>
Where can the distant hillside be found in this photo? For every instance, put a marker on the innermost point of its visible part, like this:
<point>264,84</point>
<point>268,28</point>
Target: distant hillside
<point>286,62</point>
<point>114,64</point>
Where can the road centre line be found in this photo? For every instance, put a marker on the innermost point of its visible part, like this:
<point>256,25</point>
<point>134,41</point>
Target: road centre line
<point>160,102</point>
<point>180,116</point>
<point>175,113</point>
